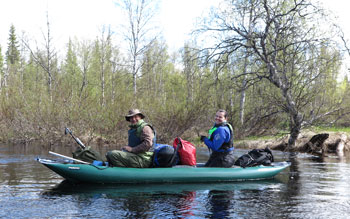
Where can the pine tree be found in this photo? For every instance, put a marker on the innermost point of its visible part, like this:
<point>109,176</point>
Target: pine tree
<point>12,54</point>
<point>71,69</point>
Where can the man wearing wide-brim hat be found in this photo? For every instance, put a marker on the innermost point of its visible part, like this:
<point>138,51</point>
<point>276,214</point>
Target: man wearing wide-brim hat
<point>132,113</point>
<point>141,138</point>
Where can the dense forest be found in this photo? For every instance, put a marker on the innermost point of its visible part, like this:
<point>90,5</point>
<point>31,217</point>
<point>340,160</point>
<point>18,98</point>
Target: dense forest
<point>268,63</point>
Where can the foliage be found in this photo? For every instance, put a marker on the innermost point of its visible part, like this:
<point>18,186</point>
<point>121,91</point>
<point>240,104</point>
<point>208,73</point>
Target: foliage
<point>93,86</point>
<point>285,49</point>
<point>332,129</point>
<point>12,53</point>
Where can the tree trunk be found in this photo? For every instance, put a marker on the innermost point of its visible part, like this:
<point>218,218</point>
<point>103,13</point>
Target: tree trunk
<point>49,56</point>
<point>296,117</point>
<point>242,101</point>
<point>134,74</point>
<point>244,82</point>
<point>295,127</point>
<point>134,84</point>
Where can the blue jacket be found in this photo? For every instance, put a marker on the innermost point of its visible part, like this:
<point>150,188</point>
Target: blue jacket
<point>220,136</point>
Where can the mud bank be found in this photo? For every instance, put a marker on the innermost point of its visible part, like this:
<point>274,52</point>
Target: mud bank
<point>321,144</point>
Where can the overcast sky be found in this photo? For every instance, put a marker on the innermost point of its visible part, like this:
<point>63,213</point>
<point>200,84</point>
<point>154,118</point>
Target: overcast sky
<point>84,18</point>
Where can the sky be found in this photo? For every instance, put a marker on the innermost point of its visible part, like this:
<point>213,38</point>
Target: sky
<point>84,18</point>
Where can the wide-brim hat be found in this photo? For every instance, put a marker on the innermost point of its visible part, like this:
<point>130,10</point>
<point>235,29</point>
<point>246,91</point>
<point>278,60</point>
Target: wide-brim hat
<point>132,113</point>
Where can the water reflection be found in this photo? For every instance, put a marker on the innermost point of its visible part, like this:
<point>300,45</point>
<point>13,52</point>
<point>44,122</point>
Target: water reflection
<point>167,200</point>
<point>68,188</point>
<point>219,203</point>
<point>310,187</point>
<point>293,185</point>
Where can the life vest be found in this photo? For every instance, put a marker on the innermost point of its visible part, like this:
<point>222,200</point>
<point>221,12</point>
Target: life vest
<point>226,145</point>
<point>135,131</point>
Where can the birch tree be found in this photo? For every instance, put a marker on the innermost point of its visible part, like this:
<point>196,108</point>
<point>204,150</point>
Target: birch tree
<point>138,32</point>
<point>191,67</point>
<point>84,62</point>
<point>105,46</point>
<point>284,39</point>
<point>1,69</point>
<point>46,58</point>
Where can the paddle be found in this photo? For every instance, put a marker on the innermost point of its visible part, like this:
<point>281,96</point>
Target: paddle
<point>68,131</point>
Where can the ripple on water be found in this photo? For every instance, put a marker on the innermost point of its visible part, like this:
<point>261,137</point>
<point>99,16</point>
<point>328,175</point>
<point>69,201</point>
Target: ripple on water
<point>308,189</point>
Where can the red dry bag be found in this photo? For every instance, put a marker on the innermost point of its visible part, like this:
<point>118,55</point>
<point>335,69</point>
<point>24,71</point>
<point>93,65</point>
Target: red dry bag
<point>186,150</point>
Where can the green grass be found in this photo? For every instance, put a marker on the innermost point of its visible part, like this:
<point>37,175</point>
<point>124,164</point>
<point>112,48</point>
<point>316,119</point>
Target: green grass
<point>265,137</point>
<point>331,129</point>
<point>316,129</point>
<point>253,138</point>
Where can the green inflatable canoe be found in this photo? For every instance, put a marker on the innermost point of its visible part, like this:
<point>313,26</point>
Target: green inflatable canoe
<point>89,173</point>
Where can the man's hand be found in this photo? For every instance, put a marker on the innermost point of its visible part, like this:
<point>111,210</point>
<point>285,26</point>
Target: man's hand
<point>127,148</point>
<point>203,137</point>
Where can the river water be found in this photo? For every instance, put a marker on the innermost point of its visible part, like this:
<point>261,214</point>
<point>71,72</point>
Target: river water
<point>310,188</point>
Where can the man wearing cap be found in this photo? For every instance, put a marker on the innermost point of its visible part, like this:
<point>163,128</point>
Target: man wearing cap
<point>141,137</point>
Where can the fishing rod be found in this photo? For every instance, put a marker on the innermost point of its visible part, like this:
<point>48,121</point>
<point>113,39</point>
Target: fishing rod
<point>68,131</point>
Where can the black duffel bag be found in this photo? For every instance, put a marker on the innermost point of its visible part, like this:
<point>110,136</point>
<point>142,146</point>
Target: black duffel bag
<point>255,157</point>
<point>164,156</point>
